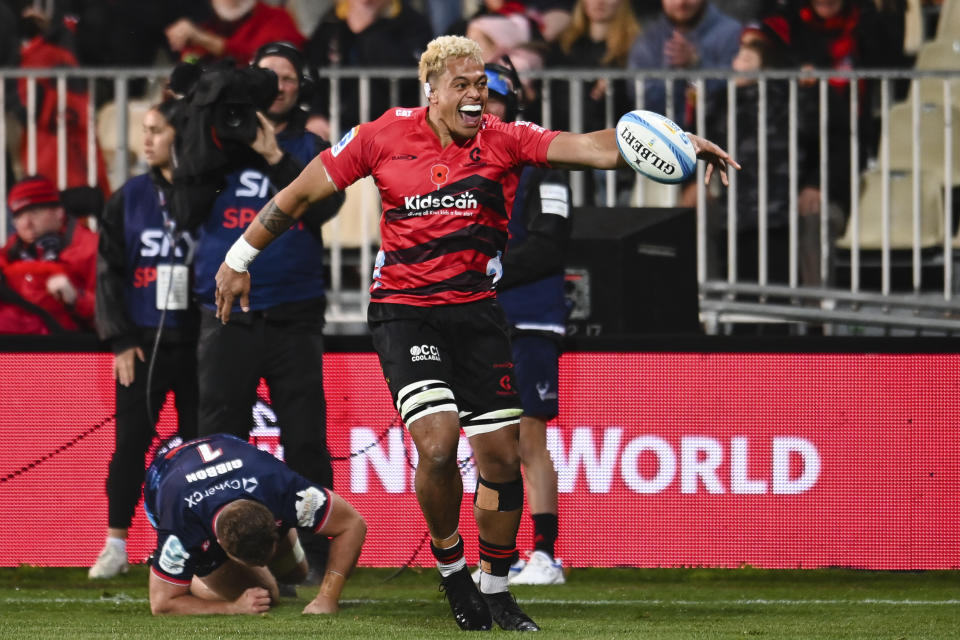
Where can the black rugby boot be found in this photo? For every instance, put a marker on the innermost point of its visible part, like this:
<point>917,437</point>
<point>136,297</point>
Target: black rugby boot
<point>468,606</point>
<point>507,613</point>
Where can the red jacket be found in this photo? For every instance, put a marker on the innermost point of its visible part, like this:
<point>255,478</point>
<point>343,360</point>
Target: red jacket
<point>40,53</point>
<point>28,278</point>
<point>244,36</point>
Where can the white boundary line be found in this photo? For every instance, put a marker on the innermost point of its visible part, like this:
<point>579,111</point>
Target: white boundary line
<point>122,599</point>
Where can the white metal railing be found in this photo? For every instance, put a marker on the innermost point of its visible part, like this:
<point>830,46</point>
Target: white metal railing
<point>723,300</point>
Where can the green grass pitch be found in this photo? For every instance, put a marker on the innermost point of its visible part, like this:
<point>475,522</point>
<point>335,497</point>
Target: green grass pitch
<point>664,604</point>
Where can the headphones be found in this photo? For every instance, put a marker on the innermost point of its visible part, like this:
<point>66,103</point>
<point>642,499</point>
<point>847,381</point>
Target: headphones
<point>288,50</point>
<point>498,76</point>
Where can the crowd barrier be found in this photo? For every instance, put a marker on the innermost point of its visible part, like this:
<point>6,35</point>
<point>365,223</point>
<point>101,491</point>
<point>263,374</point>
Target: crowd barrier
<point>668,455</point>
<point>896,253</point>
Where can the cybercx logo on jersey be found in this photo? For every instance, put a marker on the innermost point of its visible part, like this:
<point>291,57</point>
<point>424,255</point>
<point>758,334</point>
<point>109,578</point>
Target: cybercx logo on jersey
<point>421,352</point>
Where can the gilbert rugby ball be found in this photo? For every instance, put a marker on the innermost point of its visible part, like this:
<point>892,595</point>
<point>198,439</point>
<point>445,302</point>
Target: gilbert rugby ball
<point>656,147</point>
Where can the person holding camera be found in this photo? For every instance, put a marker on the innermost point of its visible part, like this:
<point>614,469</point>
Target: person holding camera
<point>49,265</point>
<point>280,338</point>
<point>145,313</point>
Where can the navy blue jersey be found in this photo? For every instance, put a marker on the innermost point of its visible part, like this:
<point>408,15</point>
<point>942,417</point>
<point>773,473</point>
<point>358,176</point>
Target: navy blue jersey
<point>291,268</point>
<point>188,485</point>
<point>531,291</point>
<point>147,245</point>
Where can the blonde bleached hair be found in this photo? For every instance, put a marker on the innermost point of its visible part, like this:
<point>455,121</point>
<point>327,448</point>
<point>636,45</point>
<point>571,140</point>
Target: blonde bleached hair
<point>433,62</point>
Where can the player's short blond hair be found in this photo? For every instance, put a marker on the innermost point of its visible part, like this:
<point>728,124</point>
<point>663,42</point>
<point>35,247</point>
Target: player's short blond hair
<point>433,61</point>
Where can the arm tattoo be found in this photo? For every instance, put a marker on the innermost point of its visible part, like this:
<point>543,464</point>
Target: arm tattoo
<point>273,219</point>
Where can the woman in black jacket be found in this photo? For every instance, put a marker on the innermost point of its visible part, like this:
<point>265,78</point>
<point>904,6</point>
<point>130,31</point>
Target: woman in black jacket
<point>144,311</point>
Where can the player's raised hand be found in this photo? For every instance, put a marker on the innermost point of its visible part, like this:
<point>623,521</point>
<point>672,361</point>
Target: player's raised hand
<point>253,601</point>
<point>230,286</point>
<point>714,156</point>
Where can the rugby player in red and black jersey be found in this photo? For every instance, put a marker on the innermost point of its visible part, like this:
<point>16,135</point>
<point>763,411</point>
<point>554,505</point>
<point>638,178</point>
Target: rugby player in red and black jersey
<point>445,173</point>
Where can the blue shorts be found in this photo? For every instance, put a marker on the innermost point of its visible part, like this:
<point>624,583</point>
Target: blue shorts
<point>537,370</point>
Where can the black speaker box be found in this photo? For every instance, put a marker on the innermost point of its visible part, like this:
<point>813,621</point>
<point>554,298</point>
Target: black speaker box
<point>633,271</point>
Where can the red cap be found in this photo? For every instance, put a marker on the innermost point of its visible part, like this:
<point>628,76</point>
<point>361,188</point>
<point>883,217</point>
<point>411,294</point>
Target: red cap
<point>32,192</point>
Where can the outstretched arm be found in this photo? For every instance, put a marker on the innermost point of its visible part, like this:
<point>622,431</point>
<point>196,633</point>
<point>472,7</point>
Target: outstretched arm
<point>291,202</point>
<point>598,150</point>
<point>170,599</point>
<point>347,528</point>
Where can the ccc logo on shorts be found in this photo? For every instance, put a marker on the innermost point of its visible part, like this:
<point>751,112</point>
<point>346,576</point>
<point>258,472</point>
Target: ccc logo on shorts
<point>419,352</point>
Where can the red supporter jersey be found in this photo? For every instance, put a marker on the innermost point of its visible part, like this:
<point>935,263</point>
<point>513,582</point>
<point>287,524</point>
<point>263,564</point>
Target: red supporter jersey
<point>445,210</point>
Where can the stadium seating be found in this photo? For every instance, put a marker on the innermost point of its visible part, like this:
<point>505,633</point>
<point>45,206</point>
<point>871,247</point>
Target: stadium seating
<point>931,139</point>
<point>948,25</point>
<point>939,55</point>
<point>901,211</point>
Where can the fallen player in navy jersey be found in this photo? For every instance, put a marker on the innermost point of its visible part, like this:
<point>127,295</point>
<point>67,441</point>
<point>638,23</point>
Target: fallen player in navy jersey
<point>226,516</point>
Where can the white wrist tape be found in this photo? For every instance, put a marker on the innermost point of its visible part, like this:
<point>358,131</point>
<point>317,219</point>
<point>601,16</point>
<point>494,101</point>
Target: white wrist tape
<point>240,255</point>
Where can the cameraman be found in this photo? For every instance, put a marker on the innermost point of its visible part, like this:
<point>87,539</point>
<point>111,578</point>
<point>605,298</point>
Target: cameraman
<point>280,338</point>
<point>49,266</point>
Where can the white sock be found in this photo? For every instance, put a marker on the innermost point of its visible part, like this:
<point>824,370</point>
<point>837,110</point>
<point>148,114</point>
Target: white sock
<point>119,543</point>
<point>492,584</point>
<point>450,569</point>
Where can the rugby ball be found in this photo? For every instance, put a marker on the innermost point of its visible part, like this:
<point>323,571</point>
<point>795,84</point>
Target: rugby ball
<point>656,147</point>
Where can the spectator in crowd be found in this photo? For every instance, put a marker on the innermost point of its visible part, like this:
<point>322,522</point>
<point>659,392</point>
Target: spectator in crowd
<point>145,313</point>
<point>49,264</point>
<point>118,33</point>
<point>365,33</point>
<point>759,49</point>
<point>48,43</point>
<point>838,35</point>
<point>599,36</point>
<point>445,174</point>
<point>9,38</point>
<point>502,25</point>
<point>688,35</point>
<point>531,293</point>
<point>281,337</point>
<point>554,17</point>
<point>226,552</point>
<point>443,14</point>
<point>237,29</point>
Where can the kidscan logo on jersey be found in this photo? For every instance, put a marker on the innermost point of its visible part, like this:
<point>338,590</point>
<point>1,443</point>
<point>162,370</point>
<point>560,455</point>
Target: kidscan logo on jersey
<point>433,202</point>
<point>424,352</point>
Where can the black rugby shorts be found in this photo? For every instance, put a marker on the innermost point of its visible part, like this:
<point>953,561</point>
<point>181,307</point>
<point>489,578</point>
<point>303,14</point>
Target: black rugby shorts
<point>465,345</point>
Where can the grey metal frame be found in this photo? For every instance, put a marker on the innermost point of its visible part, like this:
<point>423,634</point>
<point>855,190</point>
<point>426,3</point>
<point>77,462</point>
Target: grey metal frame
<point>721,300</point>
